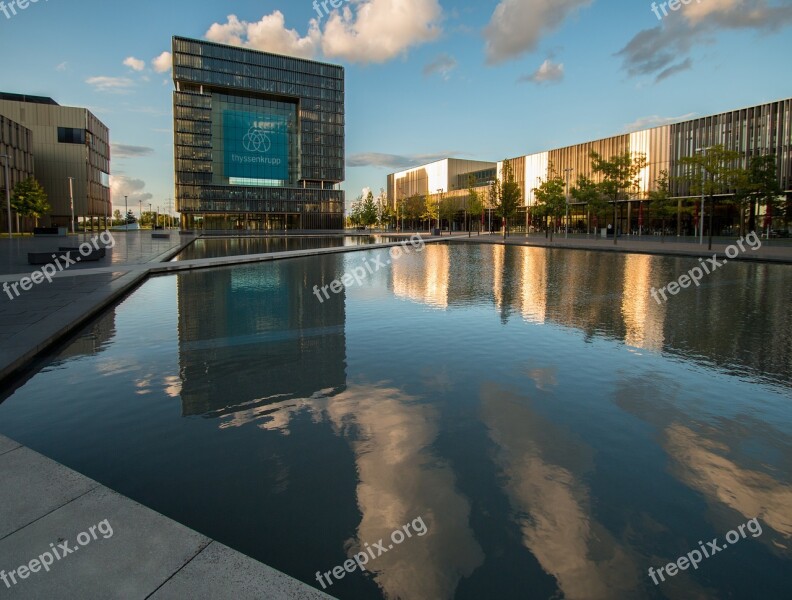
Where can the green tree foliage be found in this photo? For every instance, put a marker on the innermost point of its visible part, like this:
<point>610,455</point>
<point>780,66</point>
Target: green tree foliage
<point>30,200</point>
<point>660,202</point>
<point>764,186</point>
<point>507,196</point>
<point>711,173</point>
<point>551,196</point>
<point>448,210</point>
<point>368,211</point>
<point>620,179</point>
<point>475,203</point>
<point>587,192</point>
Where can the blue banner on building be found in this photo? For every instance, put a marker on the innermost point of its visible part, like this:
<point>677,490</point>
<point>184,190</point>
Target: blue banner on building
<point>256,145</point>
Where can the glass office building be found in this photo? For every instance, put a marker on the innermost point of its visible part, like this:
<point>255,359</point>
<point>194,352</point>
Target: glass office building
<point>259,139</point>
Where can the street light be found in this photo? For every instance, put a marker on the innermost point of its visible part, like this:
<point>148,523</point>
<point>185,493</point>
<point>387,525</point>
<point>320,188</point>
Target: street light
<point>440,191</point>
<point>568,170</point>
<point>71,201</point>
<point>703,181</point>
<point>8,191</point>
<point>126,214</point>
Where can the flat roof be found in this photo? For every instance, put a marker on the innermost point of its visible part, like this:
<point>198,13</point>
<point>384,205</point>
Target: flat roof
<point>26,98</point>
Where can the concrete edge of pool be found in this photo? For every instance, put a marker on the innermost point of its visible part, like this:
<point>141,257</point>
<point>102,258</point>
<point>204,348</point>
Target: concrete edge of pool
<point>134,552</point>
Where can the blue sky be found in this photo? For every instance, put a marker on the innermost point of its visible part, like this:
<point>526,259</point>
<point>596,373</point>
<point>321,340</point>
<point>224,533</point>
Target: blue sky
<point>425,78</point>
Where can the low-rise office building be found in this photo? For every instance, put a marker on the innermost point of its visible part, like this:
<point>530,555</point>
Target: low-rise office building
<point>259,139</point>
<point>16,153</point>
<point>753,131</point>
<point>67,143</point>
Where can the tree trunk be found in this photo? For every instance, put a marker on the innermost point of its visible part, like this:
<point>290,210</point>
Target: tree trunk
<point>712,211</point>
<point>615,222</point>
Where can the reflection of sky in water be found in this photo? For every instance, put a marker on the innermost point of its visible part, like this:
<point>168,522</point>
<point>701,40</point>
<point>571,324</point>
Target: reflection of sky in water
<point>557,430</point>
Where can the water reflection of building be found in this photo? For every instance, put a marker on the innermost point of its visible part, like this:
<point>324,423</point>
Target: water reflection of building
<point>94,340</point>
<point>248,334</point>
<point>609,295</point>
<point>423,279</point>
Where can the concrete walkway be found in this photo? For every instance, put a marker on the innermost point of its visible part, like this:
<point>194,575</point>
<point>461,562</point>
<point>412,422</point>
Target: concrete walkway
<point>96,543</point>
<point>777,251</point>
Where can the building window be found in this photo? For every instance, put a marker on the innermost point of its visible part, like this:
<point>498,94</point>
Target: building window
<point>70,135</point>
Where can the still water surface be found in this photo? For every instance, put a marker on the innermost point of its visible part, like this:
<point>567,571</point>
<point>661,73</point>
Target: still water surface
<point>211,247</point>
<point>557,431</point>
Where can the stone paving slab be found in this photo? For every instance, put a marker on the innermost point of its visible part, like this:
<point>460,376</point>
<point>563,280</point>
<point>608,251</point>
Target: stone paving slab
<point>220,572</point>
<point>777,251</point>
<point>33,486</point>
<point>114,547</point>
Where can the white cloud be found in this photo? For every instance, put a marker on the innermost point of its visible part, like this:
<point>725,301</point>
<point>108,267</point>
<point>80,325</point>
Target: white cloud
<point>368,31</point>
<point>269,35</point>
<point>121,185</point>
<point>62,66</point>
<point>517,26</point>
<point>162,63</point>
<point>380,30</point>
<point>548,72</point>
<point>134,63</point>
<point>115,85</point>
<point>655,121</point>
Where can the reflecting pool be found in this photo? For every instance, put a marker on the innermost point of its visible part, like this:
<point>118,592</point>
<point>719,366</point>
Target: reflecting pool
<point>557,430</point>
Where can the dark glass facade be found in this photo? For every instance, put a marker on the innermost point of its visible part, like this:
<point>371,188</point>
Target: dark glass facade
<point>259,139</point>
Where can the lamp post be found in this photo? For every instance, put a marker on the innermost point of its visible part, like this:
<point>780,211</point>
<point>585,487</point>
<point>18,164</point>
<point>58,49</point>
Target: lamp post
<point>8,191</point>
<point>71,201</point>
<point>568,170</point>
<point>439,192</point>
<point>126,213</point>
<point>703,181</point>
<point>489,210</point>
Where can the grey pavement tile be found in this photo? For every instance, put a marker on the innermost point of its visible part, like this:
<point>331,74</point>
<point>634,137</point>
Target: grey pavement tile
<point>220,572</point>
<point>34,486</point>
<point>7,444</point>
<point>134,552</point>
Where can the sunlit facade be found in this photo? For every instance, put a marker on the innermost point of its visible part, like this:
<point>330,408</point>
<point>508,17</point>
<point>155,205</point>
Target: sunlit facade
<point>445,176</point>
<point>754,131</point>
<point>67,142</point>
<point>259,139</point>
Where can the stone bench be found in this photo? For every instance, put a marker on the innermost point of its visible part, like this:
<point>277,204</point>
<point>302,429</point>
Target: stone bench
<point>45,258</point>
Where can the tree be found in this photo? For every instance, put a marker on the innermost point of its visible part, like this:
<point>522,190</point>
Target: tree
<point>661,204</point>
<point>587,192</point>
<point>763,182</point>
<point>30,200</point>
<point>384,210</point>
<point>430,210</point>
<point>711,173</point>
<point>116,216</point>
<point>355,216</point>
<point>475,204</point>
<point>619,179</point>
<point>368,211</point>
<point>550,196</point>
<point>448,210</point>
<point>507,196</point>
